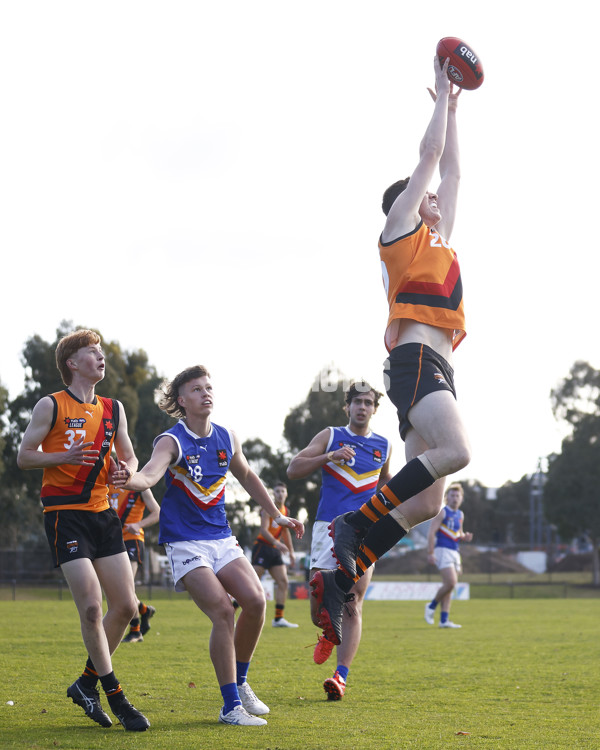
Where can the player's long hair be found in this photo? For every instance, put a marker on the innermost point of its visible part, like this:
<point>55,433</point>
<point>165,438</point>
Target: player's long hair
<point>168,393</point>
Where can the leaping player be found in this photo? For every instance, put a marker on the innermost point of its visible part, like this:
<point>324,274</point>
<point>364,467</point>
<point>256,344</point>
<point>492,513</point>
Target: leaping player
<point>426,323</point>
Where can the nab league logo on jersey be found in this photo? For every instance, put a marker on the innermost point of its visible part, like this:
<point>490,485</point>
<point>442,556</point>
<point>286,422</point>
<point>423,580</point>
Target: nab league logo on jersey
<point>377,455</point>
<point>222,457</point>
<point>109,427</point>
<point>75,424</point>
<point>192,460</point>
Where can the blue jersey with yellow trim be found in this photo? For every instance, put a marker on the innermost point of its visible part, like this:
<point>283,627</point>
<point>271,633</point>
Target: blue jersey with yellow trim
<point>193,506</point>
<point>347,486</point>
<point>447,534</point>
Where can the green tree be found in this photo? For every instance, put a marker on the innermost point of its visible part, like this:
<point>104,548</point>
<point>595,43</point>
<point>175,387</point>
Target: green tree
<point>4,429</point>
<point>323,406</point>
<point>19,516</point>
<point>572,488</point>
<point>503,520</point>
<point>268,464</point>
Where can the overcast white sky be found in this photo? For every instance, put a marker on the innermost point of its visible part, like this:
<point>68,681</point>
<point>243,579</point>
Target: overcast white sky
<point>202,180</point>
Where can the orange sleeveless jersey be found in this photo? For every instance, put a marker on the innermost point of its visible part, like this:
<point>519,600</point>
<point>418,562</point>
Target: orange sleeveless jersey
<point>274,529</point>
<point>68,487</point>
<point>130,508</point>
<point>422,281</point>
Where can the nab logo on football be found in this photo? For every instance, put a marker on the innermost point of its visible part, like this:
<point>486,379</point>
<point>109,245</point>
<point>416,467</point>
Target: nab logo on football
<point>464,65</point>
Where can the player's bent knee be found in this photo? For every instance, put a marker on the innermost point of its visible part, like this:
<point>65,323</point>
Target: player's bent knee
<point>458,460</point>
<point>254,605</point>
<point>125,611</point>
<point>464,457</point>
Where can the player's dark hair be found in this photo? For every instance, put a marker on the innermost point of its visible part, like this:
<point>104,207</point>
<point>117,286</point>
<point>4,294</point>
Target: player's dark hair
<point>71,344</point>
<point>360,387</point>
<point>280,484</point>
<point>169,392</point>
<point>392,193</point>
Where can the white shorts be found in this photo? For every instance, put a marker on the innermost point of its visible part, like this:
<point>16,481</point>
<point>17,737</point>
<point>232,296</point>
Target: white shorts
<point>201,553</point>
<point>447,558</point>
<point>321,555</point>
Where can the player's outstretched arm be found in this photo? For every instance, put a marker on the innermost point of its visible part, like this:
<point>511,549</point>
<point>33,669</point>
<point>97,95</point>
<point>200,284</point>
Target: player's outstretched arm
<point>404,214</point>
<point>264,530</point>
<point>449,170</point>
<point>165,453</point>
<point>250,481</point>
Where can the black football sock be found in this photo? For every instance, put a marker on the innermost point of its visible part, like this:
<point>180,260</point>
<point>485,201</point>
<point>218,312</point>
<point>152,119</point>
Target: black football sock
<point>409,481</point>
<point>89,677</point>
<point>380,538</point>
<point>112,688</point>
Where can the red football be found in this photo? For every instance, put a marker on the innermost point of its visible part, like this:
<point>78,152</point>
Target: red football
<point>464,69</point>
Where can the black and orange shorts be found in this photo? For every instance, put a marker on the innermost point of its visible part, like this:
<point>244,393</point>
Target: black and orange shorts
<point>135,550</point>
<point>266,556</point>
<point>75,534</point>
<point>411,372</point>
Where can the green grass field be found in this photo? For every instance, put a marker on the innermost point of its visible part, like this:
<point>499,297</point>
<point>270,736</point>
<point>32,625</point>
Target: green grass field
<point>520,674</point>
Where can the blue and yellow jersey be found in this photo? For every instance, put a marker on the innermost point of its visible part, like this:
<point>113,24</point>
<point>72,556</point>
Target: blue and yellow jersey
<point>448,534</point>
<point>193,506</point>
<point>348,485</point>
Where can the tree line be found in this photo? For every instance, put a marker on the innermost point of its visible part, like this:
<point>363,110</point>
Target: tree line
<point>569,486</point>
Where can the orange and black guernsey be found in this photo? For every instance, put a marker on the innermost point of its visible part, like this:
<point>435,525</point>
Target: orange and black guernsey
<point>422,281</point>
<point>129,507</point>
<point>70,487</point>
<point>273,528</point>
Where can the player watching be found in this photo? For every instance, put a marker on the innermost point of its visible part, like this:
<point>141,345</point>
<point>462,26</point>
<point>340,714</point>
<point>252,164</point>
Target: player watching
<point>354,462</point>
<point>76,430</point>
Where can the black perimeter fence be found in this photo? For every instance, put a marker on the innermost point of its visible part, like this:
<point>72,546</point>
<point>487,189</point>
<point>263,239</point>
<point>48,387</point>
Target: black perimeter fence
<point>491,573</point>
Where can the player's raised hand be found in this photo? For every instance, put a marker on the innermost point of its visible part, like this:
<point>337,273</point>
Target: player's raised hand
<point>442,82</point>
<point>452,97</point>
